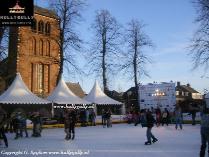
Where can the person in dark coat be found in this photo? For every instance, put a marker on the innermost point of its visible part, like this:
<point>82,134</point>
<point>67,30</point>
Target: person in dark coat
<point>103,118</point>
<point>83,118</point>
<point>150,123</point>
<point>66,124</point>
<point>204,131</point>
<point>36,119</point>
<point>2,131</point>
<point>92,117</point>
<point>72,122</point>
<point>165,117</point>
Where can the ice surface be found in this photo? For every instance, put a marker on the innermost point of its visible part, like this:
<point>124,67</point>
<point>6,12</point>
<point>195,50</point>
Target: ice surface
<point>122,140</point>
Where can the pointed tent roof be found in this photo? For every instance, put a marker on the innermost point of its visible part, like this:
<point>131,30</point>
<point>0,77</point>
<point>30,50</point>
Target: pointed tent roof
<point>97,96</point>
<point>63,95</point>
<point>18,93</point>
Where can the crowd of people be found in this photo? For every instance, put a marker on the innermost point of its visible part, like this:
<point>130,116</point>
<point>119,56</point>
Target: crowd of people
<point>106,118</point>
<point>86,117</point>
<point>160,117</point>
<point>17,123</point>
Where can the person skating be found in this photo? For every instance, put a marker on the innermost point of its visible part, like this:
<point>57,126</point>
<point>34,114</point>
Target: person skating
<point>150,123</point>
<point>103,118</point>
<point>158,116</point>
<point>93,118</point>
<point>143,119</point>
<point>204,131</point>
<point>20,125</point>
<point>67,124</point>
<point>129,117</point>
<point>23,122</point>
<point>178,116</point>
<point>136,118</point>
<point>72,122</point>
<point>165,117</point>
<point>2,131</point>
<point>17,125</point>
<point>36,119</point>
<point>109,120</point>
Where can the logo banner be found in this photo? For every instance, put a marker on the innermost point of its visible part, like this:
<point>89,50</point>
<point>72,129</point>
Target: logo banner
<point>16,12</point>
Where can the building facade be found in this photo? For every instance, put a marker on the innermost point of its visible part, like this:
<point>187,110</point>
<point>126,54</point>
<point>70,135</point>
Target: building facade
<point>153,95</point>
<point>34,52</point>
<point>187,97</point>
<point>76,89</point>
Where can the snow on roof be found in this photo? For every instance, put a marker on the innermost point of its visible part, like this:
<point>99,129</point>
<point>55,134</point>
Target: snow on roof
<point>97,96</point>
<point>63,95</point>
<point>18,93</point>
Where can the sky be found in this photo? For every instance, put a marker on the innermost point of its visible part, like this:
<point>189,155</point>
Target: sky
<point>170,25</point>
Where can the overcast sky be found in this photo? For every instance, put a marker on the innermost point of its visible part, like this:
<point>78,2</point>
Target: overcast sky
<point>170,25</point>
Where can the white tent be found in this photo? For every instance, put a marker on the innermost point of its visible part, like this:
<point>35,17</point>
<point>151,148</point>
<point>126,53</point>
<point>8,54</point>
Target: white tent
<point>97,96</point>
<point>63,95</point>
<point>18,93</point>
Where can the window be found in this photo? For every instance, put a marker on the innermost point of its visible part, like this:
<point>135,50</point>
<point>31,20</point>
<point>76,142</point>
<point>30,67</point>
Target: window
<point>40,78</point>
<point>47,45</point>
<point>186,93</point>
<point>47,28</point>
<point>39,72</point>
<point>32,46</point>
<point>177,92</point>
<point>41,44</point>
<point>34,27</point>
<point>48,67</point>
<point>41,27</point>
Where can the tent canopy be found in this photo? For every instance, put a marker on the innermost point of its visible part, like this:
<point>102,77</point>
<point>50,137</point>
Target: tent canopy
<point>63,95</point>
<point>18,93</point>
<point>97,96</point>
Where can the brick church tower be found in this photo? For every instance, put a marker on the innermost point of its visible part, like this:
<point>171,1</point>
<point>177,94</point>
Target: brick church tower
<point>34,52</point>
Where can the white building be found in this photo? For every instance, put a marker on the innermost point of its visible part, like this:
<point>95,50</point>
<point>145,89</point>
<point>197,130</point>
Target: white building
<point>155,95</point>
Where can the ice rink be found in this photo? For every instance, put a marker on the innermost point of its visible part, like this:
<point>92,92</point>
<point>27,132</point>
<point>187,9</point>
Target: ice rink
<point>122,140</point>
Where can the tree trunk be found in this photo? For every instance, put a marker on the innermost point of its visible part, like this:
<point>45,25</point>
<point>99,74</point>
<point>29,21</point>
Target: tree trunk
<point>61,61</point>
<point>62,39</point>
<point>104,70</point>
<point>135,74</point>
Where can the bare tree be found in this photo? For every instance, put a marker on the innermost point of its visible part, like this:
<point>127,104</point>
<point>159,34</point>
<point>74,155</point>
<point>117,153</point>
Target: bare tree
<point>200,41</point>
<point>135,58</point>
<point>69,12</point>
<point>105,45</point>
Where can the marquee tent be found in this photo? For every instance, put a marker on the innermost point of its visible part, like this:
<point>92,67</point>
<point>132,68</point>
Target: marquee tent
<point>97,96</point>
<point>18,93</point>
<point>63,95</point>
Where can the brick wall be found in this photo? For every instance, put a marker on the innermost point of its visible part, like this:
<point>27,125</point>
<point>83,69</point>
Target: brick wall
<point>29,48</point>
